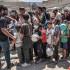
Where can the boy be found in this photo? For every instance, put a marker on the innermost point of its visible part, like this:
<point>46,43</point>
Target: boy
<point>26,33</point>
<point>56,39</point>
<point>64,38</point>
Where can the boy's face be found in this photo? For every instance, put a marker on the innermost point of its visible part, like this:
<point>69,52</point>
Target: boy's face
<point>22,11</point>
<point>49,25</point>
<point>66,12</point>
<point>6,12</point>
<point>2,12</point>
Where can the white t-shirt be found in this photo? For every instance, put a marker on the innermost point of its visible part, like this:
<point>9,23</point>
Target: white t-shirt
<point>35,20</point>
<point>35,37</point>
<point>58,16</point>
<point>49,35</point>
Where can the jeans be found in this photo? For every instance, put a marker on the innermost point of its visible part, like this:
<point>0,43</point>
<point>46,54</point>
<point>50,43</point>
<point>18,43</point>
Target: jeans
<point>27,48</point>
<point>35,45</point>
<point>68,50</point>
<point>38,49</point>
<point>5,45</point>
<point>20,54</point>
<point>44,50</point>
<point>56,56</point>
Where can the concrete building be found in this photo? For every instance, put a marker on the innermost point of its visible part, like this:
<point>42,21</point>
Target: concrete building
<point>47,3</point>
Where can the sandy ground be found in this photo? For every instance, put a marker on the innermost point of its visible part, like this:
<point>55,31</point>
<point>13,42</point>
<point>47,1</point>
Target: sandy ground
<point>45,65</point>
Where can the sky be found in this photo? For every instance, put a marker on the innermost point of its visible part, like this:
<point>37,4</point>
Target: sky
<point>32,0</point>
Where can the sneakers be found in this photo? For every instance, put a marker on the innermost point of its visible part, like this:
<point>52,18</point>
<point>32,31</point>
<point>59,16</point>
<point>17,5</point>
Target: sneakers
<point>63,59</point>
<point>40,60</point>
<point>25,65</point>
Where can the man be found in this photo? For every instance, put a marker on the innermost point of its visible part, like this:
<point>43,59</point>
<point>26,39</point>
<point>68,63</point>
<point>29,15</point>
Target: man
<point>45,17</point>
<point>5,35</point>
<point>21,21</point>
<point>57,15</point>
<point>22,12</point>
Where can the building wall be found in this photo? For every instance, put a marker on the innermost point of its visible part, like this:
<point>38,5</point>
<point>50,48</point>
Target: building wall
<point>48,4</point>
<point>54,3</point>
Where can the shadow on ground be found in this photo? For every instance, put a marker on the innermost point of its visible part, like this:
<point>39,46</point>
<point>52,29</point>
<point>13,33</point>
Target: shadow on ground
<point>47,66</point>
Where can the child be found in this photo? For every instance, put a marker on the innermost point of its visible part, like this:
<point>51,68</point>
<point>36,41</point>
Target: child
<point>64,38</point>
<point>37,45</point>
<point>44,42</point>
<point>56,39</point>
<point>49,33</point>
<point>26,39</point>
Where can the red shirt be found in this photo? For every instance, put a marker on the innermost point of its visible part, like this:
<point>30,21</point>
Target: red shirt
<point>44,37</point>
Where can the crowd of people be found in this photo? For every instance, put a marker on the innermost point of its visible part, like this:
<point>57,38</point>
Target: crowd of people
<point>35,35</point>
